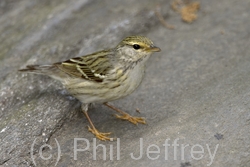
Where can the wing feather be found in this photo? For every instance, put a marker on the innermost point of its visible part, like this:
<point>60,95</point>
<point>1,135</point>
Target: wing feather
<point>92,67</point>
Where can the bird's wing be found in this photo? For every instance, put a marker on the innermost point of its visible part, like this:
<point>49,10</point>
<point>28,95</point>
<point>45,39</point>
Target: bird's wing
<point>92,67</point>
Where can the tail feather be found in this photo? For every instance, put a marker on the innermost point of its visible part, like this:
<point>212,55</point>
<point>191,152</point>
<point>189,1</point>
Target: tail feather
<point>39,69</point>
<point>50,70</point>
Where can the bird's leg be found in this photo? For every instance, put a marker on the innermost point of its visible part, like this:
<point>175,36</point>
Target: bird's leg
<point>126,116</point>
<point>92,129</point>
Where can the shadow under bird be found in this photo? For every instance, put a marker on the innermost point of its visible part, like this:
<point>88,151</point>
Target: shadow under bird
<point>103,76</point>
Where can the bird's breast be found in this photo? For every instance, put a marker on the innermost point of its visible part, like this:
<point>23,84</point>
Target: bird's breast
<point>125,82</point>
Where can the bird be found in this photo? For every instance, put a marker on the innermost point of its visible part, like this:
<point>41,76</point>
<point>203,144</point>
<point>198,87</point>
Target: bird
<point>103,76</point>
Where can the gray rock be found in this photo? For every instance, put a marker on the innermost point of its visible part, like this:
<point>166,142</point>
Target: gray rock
<point>195,93</point>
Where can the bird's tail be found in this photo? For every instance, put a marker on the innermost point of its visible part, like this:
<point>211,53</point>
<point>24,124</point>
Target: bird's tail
<point>51,70</point>
<point>39,69</point>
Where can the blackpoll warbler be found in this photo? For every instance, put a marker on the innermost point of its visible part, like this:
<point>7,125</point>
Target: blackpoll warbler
<point>103,76</point>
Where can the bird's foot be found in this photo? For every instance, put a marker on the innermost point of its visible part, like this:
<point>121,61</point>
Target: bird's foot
<point>100,135</point>
<point>134,120</point>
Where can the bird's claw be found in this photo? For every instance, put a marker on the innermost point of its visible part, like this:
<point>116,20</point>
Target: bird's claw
<point>100,135</point>
<point>134,120</point>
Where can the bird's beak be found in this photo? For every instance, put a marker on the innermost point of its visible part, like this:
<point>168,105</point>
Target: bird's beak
<point>153,49</point>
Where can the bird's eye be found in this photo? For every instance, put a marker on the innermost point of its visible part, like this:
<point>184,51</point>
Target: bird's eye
<point>136,46</point>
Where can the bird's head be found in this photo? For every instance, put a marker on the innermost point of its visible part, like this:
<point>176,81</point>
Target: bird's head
<point>135,48</point>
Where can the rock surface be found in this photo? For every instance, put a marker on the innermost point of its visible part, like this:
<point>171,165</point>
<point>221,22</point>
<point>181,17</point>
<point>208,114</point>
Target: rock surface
<point>195,93</point>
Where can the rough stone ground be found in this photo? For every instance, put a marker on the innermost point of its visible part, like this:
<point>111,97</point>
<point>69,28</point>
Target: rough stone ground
<point>196,90</point>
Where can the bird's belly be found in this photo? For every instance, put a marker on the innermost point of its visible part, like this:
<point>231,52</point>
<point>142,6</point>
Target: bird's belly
<point>108,94</point>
